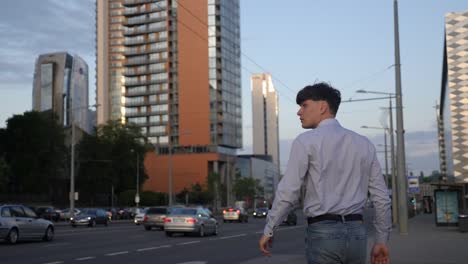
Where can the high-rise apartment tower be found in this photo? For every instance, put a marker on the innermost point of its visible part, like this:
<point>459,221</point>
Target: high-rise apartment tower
<point>265,117</point>
<point>454,102</point>
<point>173,68</point>
<point>61,85</point>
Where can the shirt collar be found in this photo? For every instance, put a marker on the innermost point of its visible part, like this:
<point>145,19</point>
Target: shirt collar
<point>328,122</point>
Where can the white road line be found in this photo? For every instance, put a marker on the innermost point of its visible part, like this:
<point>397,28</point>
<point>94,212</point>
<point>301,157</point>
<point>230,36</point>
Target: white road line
<point>57,244</point>
<point>85,258</point>
<point>259,232</point>
<point>188,243</point>
<point>226,237</point>
<point>117,253</point>
<point>153,248</point>
<point>55,262</point>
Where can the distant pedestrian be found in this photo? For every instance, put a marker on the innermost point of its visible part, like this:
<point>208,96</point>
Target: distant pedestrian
<point>338,168</point>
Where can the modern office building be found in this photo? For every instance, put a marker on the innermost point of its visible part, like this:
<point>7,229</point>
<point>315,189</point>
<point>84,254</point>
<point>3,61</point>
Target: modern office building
<point>262,168</point>
<point>61,85</point>
<point>454,96</point>
<point>265,117</point>
<point>173,69</point>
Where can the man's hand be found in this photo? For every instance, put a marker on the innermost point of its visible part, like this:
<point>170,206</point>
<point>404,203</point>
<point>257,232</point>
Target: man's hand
<point>264,240</point>
<point>380,254</point>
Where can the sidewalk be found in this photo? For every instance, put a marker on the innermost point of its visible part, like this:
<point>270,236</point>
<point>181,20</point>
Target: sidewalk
<point>425,244</point>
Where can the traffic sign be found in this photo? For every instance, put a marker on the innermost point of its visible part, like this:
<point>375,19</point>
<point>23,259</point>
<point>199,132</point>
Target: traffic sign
<point>413,184</point>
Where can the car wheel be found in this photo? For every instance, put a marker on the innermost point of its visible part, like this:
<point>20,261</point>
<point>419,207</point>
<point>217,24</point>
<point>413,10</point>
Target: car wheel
<point>246,219</point>
<point>74,226</point>
<point>12,237</point>
<point>106,223</point>
<point>49,234</point>
<point>216,231</point>
<point>201,232</point>
<point>161,228</point>
<point>224,221</point>
<point>168,234</point>
<point>147,228</point>
<point>92,224</point>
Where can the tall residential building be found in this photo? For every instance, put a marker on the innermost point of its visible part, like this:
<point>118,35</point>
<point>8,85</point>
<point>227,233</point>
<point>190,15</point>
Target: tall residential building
<point>172,67</point>
<point>454,96</point>
<point>61,85</point>
<point>265,117</point>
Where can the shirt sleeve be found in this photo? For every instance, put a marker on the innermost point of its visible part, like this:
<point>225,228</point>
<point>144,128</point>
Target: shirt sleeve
<point>379,196</point>
<point>287,193</point>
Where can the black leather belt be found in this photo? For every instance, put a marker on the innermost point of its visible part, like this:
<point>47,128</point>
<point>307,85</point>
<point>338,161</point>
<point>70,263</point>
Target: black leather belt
<point>334,217</point>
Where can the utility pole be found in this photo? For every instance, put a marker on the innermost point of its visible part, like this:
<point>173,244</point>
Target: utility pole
<point>402,181</point>
<point>394,178</point>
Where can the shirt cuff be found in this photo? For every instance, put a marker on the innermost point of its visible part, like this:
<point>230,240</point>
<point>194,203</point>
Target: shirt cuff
<point>381,238</point>
<point>268,232</point>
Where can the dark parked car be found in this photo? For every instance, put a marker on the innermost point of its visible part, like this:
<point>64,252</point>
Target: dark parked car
<point>90,217</point>
<point>48,213</point>
<point>21,222</point>
<point>154,217</point>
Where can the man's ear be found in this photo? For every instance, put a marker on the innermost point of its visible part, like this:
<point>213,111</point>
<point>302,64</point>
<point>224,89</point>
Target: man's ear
<point>323,107</point>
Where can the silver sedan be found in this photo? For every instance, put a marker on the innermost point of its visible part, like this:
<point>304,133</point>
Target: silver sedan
<point>190,220</point>
<point>20,222</point>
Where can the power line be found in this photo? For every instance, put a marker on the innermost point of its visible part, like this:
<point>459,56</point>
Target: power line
<point>243,67</point>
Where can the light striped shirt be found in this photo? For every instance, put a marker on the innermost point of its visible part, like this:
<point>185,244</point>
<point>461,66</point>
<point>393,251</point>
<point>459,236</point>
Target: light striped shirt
<point>338,167</point>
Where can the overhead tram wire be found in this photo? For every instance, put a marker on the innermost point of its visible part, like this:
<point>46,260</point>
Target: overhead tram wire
<point>265,70</point>
<point>243,54</point>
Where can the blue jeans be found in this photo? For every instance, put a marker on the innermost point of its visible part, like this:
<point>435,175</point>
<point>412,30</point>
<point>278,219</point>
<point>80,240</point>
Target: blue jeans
<point>336,242</point>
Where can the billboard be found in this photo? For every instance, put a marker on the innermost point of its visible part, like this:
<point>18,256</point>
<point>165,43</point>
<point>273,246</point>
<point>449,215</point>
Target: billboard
<point>446,206</point>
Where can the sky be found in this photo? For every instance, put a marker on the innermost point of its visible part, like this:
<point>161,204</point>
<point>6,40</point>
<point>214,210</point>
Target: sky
<point>349,44</point>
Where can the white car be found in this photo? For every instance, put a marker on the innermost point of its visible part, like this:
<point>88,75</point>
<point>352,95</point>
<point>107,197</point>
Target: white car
<point>140,216</point>
<point>20,222</point>
<point>65,213</point>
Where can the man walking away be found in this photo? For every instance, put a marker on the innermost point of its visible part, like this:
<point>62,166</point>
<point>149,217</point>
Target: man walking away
<point>338,168</point>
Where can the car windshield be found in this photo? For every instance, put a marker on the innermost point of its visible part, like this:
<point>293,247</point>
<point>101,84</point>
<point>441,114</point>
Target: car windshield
<point>184,211</point>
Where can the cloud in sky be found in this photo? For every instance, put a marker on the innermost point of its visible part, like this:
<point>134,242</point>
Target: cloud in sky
<point>30,28</point>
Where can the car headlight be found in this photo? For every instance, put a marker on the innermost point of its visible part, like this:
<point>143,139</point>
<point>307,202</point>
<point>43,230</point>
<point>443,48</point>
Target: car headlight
<point>254,213</point>
<point>89,218</point>
<point>71,218</point>
<point>264,213</point>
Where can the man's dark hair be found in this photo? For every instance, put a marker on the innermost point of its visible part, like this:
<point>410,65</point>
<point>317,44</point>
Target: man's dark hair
<point>318,92</point>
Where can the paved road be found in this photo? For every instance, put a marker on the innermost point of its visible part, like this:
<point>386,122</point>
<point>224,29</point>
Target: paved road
<point>128,243</point>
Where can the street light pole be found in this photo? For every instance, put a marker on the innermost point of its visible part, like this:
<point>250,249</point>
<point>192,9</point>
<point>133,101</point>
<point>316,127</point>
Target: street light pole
<point>72,166</point>
<point>137,198</point>
<point>402,183</point>
<point>394,178</point>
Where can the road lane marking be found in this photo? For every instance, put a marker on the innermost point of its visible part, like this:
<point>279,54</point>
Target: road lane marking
<point>117,253</point>
<point>85,258</point>
<point>188,243</point>
<point>227,237</point>
<point>55,262</point>
<point>259,232</point>
<point>57,244</point>
<point>153,248</point>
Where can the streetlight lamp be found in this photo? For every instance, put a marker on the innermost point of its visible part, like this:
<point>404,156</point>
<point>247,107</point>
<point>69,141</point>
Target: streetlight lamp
<point>396,174</point>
